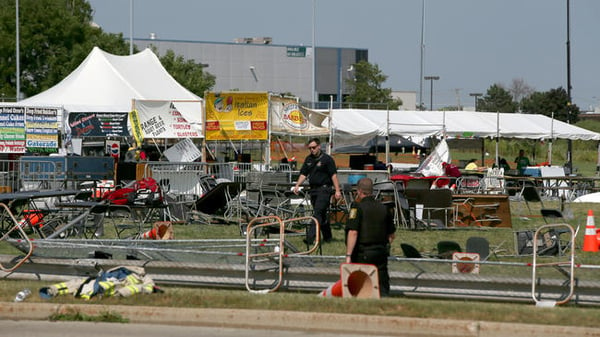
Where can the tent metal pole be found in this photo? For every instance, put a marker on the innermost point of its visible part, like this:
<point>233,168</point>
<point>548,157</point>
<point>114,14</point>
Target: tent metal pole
<point>330,143</point>
<point>551,140</point>
<point>482,151</point>
<point>497,138</point>
<point>598,161</point>
<point>387,137</point>
<point>269,136</point>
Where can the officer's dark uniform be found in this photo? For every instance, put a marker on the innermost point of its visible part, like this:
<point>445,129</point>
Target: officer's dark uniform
<point>374,224</point>
<point>319,170</point>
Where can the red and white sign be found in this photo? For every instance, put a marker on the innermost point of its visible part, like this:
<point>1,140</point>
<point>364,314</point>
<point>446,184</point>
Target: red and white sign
<point>113,147</point>
<point>465,263</point>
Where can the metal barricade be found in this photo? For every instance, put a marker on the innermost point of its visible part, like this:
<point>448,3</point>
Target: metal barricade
<point>41,175</point>
<point>570,274</point>
<point>222,171</point>
<point>269,253</point>
<point>184,181</point>
<point>9,176</point>
<point>17,229</point>
<point>217,171</point>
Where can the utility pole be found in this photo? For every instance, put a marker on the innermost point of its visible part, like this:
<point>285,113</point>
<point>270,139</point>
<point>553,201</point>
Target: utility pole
<point>569,142</point>
<point>422,54</point>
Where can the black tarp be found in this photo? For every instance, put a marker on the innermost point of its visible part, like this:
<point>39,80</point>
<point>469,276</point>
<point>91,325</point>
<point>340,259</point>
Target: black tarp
<point>377,145</point>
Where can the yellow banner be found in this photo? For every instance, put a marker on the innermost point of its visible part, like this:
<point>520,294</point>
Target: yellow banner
<point>236,116</point>
<point>136,127</point>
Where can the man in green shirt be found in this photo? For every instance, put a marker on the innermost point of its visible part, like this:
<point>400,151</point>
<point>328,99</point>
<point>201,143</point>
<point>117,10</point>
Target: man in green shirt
<point>522,162</point>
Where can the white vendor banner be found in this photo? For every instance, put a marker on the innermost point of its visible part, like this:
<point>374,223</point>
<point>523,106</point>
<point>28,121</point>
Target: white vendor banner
<point>185,152</point>
<point>162,119</point>
<point>432,165</point>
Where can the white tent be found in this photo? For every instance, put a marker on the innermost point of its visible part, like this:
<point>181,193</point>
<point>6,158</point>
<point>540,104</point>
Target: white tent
<point>104,82</point>
<point>357,127</point>
<point>353,127</point>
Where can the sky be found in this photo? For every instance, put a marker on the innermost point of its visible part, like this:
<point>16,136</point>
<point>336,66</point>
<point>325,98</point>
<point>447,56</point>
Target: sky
<point>469,44</point>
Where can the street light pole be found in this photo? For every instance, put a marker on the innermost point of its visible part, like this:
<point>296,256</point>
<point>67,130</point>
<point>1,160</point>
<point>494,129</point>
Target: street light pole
<point>130,27</point>
<point>17,47</point>
<point>476,95</point>
<point>431,79</point>
<point>422,55</point>
<point>314,55</point>
<point>569,87</point>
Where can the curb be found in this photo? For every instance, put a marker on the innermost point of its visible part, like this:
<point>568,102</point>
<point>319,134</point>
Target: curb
<point>296,321</point>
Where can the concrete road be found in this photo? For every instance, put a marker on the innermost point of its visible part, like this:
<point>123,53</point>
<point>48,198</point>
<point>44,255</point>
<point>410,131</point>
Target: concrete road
<point>31,319</point>
<point>88,329</point>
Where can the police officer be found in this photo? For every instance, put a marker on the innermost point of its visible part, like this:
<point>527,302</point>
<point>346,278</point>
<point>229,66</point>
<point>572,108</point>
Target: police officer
<point>321,172</point>
<point>370,231</point>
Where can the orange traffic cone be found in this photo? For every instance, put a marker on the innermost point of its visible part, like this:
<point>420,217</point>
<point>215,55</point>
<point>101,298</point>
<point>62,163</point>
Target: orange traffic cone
<point>334,290</point>
<point>31,217</point>
<point>590,243</point>
<point>151,234</point>
<point>161,230</point>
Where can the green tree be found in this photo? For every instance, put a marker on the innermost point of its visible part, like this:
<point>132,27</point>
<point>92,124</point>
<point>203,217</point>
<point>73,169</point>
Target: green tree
<point>552,101</point>
<point>188,73</point>
<point>497,99</point>
<point>366,88</point>
<point>54,37</point>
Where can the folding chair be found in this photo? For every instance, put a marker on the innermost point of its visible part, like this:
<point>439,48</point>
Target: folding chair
<point>437,207</point>
<point>403,210</point>
<point>124,219</point>
<point>530,194</point>
<point>385,192</point>
<point>85,195</point>
<point>410,251</point>
<point>93,225</point>
<point>493,182</point>
<point>479,245</point>
<point>402,205</point>
<point>468,185</point>
<point>447,248</point>
<point>549,243</point>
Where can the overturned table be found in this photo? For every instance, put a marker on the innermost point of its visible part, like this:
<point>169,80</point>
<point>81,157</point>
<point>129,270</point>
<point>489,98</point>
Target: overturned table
<point>491,210</point>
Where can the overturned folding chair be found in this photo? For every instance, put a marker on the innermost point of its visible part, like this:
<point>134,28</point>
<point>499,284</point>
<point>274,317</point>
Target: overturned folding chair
<point>530,194</point>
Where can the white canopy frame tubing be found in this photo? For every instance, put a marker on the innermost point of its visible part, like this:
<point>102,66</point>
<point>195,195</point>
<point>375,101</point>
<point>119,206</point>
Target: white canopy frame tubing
<point>388,134</point>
